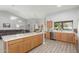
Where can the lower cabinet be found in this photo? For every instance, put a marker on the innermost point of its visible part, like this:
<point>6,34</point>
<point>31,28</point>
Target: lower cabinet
<point>58,36</point>
<point>13,48</point>
<point>24,44</point>
<point>67,37</point>
<point>47,35</point>
<point>38,41</point>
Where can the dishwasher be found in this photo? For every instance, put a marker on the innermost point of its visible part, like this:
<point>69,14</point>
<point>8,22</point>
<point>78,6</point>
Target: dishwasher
<point>52,36</point>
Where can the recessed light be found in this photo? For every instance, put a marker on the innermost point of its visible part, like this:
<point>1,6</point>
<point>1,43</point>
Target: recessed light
<point>19,21</point>
<point>17,25</point>
<point>59,5</point>
<point>13,17</point>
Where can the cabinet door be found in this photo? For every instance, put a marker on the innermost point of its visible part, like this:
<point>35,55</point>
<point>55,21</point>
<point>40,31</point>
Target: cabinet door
<point>58,35</point>
<point>13,48</point>
<point>70,37</point>
<point>47,35</point>
<point>40,39</point>
<point>75,39</point>
<point>27,44</point>
<point>36,40</point>
<point>31,42</point>
<point>64,37</point>
<point>21,46</point>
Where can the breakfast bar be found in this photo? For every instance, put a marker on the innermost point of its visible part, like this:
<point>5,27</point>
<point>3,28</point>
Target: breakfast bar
<point>20,43</point>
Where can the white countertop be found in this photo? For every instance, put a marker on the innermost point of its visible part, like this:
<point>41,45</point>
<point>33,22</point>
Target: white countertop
<point>17,36</point>
<point>63,31</point>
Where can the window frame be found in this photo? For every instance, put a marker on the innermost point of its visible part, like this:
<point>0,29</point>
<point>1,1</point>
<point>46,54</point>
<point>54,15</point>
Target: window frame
<point>62,26</point>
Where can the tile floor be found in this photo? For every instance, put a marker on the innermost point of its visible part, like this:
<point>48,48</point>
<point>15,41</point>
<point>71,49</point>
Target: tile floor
<point>1,46</point>
<point>52,46</point>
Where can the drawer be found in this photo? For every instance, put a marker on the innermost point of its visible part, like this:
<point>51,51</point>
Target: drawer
<point>14,41</point>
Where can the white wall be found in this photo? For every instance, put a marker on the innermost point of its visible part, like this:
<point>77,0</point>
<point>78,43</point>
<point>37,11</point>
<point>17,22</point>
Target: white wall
<point>5,18</point>
<point>34,21</point>
<point>72,14</point>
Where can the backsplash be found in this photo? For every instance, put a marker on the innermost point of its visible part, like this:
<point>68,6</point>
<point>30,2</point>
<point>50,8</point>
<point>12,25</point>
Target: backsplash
<point>10,32</point>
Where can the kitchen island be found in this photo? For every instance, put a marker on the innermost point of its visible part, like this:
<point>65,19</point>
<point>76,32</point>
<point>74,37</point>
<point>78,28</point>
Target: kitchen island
<point>21,43</point>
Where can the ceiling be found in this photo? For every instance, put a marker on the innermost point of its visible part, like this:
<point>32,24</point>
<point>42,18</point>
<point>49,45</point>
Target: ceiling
<point>35,11</point>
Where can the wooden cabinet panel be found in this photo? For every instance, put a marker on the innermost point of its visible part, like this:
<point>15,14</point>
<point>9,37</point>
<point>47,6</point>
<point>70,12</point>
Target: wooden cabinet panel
<point>32,41</point>
<point>15,41</point>
<point>67,37</point>
<point>40,39</point>
<point>13,48</point>
<point>17,47</point>
<point>36,41</point>
<point>24,44</point>
<point>58,35</point>
<point>70,37</point>
<point>47,35</point>
<point>75,39</point>
<point>21,47</point>
<point>64,37</point>
<point>28,43</point>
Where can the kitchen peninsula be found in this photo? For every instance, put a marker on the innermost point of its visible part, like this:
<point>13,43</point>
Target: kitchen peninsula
<point>20,43</point>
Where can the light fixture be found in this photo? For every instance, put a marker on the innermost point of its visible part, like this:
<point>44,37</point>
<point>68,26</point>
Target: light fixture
<point>17,25</point>
<point>13,17</point>
<point>20,21</point>
<point>59,5</point>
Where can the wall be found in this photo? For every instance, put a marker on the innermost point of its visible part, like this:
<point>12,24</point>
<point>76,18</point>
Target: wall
<point>71,14</point>
<point>34,21</point>
<point>5,17</point>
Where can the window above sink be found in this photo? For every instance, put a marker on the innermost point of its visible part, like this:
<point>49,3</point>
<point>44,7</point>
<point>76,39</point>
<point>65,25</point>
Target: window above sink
<point>64,25</point>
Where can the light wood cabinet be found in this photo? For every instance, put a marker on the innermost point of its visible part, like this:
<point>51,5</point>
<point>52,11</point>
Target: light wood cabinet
<point>20,47</point>
<point>58,35</point>
<point>24,44</point>
<point>38,41</point>
<point>13,48</point>
<point>27,44</point>
<point>47,35</point>
<point>71,37</point>
<point>66,37</point>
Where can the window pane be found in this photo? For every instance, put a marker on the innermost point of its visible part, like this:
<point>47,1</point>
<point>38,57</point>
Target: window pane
<point>67,26</point>
<point>57,25</point>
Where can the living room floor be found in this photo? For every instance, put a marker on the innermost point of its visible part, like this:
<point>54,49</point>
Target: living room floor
<point>52,46</point>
